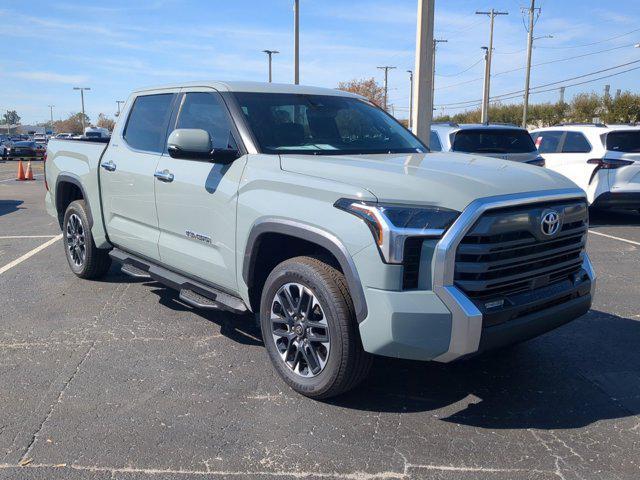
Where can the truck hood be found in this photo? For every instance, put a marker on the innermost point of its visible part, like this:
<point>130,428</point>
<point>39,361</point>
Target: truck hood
<point>448,180</point>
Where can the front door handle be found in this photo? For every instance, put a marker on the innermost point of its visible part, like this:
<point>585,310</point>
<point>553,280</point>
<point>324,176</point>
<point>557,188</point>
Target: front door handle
<point>164,176</point>
<point>108,166</point>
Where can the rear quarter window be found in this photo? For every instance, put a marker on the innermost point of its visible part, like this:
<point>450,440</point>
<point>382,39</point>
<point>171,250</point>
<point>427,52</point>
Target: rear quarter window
<point>147,123</point>
<point>624,141</point>
<point>576,142</point>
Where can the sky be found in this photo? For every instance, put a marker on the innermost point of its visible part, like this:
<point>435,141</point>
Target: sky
<point>117,46</point>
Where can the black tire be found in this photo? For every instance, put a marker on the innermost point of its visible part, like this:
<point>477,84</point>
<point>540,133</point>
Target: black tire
<point>347,364</point>
<point>85,260</point>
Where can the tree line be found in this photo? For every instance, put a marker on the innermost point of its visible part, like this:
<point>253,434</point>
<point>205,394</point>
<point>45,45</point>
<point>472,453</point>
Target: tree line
<point>582,108</point>
<point>71,124</point>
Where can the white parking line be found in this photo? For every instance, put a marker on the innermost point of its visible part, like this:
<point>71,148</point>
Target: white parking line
<point>8,237</point>
<point>615,238</point>
<point>29,254</point>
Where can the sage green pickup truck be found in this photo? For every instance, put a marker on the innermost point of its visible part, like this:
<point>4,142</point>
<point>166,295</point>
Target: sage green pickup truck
<point>318,212</point>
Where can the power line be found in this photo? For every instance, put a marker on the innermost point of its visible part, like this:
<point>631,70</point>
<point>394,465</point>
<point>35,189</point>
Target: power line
<point>594,43</point>
<point>462,71</point>
<point>477,103</point>
<point>550,83</point>
<point>557,60</point>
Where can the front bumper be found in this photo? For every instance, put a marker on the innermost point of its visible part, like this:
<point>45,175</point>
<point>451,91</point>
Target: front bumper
<point>444,324</point>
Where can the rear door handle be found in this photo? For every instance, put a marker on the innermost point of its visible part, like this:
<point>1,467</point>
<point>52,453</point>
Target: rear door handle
<point>109,166</point>
<point>164,176</point>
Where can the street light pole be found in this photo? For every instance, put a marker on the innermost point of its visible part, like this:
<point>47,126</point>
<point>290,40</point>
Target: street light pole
<point>487,74</point>
<point>82,90</point>
<point>410,122</point>
<point>51,112</point>
<point>433,70</point>
<point>386,84</point>
<point>422,101</point>
<point>296,42</point>
<point>269,54</point>
<point>119,102</point>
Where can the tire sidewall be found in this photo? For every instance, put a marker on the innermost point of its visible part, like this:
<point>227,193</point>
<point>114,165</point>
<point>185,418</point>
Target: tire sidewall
<point>307,276</point>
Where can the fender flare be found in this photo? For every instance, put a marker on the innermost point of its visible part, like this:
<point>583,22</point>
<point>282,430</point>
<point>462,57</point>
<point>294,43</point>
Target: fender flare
<point>314,235</point>
<point>75,180</point>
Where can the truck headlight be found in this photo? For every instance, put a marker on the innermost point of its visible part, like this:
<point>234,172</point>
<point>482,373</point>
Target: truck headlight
<point>392,224</point>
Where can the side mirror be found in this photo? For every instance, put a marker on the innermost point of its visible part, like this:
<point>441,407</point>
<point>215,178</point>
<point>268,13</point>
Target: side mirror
<point>195,144</point>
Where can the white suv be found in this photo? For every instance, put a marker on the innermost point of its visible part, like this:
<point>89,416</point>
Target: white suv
<point>602,160</point>
<point>507,142</point>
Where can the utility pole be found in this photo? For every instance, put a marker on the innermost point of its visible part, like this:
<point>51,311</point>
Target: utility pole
<point>51,112</point>
<point>527,78</point>
<point>422,98</point>
<point>487,73</point>
<point>607,91</point>
<point>82,90</point>
<point>410,122</point>
<point>386,84</point>
<point>562,89</point>
<point>296,41</point>
<point>119,102</point>
<point>433,69</point>
<point>270,53</point>
<point>618,93</point>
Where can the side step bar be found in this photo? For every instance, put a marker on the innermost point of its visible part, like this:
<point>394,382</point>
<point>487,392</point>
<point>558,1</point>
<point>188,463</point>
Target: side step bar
<point>192,292</point>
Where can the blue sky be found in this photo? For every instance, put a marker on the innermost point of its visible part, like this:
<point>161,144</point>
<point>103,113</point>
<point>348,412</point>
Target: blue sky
<point>115,46</point>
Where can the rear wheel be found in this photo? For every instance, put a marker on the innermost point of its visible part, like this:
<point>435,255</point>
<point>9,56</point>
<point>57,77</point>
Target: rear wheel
<point>85,259</point>
<point>309,328</point>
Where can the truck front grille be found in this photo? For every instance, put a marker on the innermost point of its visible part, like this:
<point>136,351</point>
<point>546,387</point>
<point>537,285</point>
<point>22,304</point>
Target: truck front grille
<point>506,252</point>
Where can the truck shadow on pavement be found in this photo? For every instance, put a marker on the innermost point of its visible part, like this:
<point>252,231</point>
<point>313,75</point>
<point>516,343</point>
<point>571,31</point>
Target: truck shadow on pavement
<point>582,373</point>
<point>9,206</point>
<point>601,218</point>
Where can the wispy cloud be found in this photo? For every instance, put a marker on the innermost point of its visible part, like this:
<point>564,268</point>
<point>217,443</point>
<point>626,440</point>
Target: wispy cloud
<point>49,77</point>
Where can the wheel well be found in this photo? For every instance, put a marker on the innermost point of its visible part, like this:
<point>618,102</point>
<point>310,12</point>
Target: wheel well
<point>274,248</point>
<point>66,192</point>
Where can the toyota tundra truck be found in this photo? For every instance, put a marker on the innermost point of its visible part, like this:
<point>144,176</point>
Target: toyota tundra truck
<point>319,213</point>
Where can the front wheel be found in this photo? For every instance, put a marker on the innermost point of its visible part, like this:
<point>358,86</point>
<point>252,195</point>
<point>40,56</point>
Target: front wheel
<point>85,259</point>
<point>309,328</point>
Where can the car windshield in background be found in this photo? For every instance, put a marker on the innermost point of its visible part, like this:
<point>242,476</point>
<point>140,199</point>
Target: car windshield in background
<point>499,140</point>
<point>323,125</point>
<point>627,141</point>
<point>24,144</point>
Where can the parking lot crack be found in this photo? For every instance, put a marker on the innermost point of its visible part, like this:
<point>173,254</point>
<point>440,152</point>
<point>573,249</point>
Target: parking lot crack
<point>55,403</point>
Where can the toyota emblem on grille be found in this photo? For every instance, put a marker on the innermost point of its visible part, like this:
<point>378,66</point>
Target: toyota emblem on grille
<point>550,223</point>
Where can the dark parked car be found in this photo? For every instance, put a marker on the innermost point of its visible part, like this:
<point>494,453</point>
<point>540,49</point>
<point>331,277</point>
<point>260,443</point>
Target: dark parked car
<point>23,150</point>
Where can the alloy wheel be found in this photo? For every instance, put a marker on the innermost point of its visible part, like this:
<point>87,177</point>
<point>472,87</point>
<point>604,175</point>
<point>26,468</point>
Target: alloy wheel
<point>300,330</point>
<point>76,240</point>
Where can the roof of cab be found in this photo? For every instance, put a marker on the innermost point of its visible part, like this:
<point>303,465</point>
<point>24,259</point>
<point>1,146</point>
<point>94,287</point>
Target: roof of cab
<point>254,87</point>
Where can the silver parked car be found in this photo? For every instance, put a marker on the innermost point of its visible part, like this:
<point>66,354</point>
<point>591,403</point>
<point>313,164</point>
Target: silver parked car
<point>507,142</point>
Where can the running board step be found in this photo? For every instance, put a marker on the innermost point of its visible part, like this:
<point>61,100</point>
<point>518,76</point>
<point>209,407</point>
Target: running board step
<point>194,292</point>
<point>134,271</point>
<point>196,300</point>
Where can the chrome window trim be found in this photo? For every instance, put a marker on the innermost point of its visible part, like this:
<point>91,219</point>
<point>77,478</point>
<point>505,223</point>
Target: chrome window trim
<point>466,318</point>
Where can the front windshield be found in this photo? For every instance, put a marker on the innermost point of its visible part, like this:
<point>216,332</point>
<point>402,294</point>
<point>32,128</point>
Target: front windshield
<point>493,140</point>
<point>323,125</point>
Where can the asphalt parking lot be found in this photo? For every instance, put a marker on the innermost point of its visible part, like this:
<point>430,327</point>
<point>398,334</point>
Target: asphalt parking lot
<point>117,379</point>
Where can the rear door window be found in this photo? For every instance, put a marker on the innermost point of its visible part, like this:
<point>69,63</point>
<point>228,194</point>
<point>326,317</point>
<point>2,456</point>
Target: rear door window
<point>497,140</point>
<point>576,142</point>
<point>548,142</point>
<point>147,123</point>
<point>624,141</point>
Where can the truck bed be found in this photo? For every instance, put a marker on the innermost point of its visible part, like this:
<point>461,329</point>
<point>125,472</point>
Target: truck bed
<point>77,162</point>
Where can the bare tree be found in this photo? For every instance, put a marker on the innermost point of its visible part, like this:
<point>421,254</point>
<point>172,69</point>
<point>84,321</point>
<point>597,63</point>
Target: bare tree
<point>367,87</point>
<point>105,122</point>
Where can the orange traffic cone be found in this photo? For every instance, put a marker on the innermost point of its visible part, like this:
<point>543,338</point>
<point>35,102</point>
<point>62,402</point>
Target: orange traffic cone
<point>29,174</point>
<point>20,171</point>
